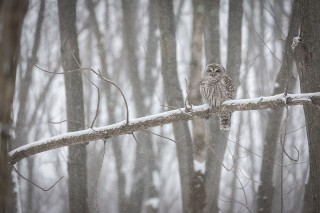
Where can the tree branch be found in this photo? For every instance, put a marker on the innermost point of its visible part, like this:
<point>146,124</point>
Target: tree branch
<point>122,128</point>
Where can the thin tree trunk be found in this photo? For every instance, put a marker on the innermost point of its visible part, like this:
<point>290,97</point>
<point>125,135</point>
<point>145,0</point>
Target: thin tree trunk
<point>307,54</point>
<point>212,50</point>
<point>151,52</point>
<point>111,104</point>
<point>217,139</point>
<point>21,131</point>
<point>234,40</point>
<point>77,169</point>
<point>211,30</point>
<point>271,138</point>
<point>144,163</point>
<point>173,96</point>
<point>198,129</point>
<point>12,14</point>
<point>27,81</point>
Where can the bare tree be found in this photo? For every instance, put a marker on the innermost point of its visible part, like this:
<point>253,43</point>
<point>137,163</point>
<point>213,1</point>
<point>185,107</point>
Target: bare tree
<point>144,163</point>
<point>283,84</point>
<point>77,168</point>
<point>173,96</point>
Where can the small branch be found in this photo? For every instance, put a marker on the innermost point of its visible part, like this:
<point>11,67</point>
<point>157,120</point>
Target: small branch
<point>34,184</point>
<point>125,127</point>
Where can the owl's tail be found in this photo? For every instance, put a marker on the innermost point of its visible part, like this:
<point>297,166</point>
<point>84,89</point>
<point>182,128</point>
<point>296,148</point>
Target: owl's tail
<point>225,121</point>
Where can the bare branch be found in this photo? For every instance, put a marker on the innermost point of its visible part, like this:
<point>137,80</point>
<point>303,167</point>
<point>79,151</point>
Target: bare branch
<point>34,184</point>
<point>123,128</point>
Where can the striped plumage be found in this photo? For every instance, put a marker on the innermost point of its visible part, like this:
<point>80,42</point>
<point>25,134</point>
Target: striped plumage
<point>215,87</point>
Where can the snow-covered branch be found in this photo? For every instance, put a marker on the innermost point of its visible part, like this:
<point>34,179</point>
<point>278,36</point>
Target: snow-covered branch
<point>183,114</point>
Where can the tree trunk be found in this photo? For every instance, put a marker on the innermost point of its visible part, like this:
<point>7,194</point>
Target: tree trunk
<point>212,50</point>
<point>173,96</point>
<point>307,55</point>
<point>22,120</point>
<point>211,30</point>
<point>77,169</point>
<point>198,129</point>
<point>12,14</point>
<point>234,40</point>
<point>216,138</point>
<point>144,163</point>
<point>271,138</point>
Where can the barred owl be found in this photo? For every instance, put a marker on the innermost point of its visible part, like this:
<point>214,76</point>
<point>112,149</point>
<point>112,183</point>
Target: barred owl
<point>215,87</point>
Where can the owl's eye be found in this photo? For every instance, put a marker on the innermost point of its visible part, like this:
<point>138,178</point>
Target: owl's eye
<point>217,70</point>
<point>209,70</point>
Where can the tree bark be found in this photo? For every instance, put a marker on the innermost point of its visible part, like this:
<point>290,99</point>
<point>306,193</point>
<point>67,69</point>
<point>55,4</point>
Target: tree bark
<point>12,14</point>
<point>307,54</point>
<point>173,96</point>
<point>77,169</point>
<point>198,129</point>
<point>212,50</point>
<point>234,40</point>
<point>211,30</point>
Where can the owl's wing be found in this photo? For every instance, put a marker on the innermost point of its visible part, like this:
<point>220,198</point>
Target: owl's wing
<point>230,87</point>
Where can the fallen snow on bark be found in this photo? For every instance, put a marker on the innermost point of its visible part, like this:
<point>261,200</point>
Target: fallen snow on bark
<point>182,114</point>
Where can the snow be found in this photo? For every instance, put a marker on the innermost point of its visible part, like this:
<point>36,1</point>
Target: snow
<point>153,202</point>
<point>199,166</point>
<point>156,179</point>
<point>78,134</point>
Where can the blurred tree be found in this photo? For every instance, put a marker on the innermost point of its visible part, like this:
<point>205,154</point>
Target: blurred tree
<point>213,137</point>
<point>12,14</point>
<point>173,97</point>
<point>211,30</point>
<point>198,129</point>
<point>234,40</point>
<point>275,118</point>
<point>144,163</point>
<point>77,159</point>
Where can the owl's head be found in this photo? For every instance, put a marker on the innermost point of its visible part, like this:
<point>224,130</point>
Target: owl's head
<point>214,70</point>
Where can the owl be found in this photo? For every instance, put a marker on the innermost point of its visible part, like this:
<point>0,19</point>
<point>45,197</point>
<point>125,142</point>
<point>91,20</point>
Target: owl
<point>216,87</point>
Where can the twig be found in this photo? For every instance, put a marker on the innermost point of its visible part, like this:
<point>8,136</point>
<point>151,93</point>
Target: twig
<point>98,103</point>
<point>34,184</point>
<point>47,70</point>
<point>159,135</point>
<point>135,139</point>
<point>100,76</point>
<point>282,139</point>
<point>187,98</point>
<point>221,160</point>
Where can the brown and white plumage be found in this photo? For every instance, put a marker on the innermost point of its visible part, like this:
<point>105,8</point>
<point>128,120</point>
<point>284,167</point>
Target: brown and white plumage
<point>216,87</point>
